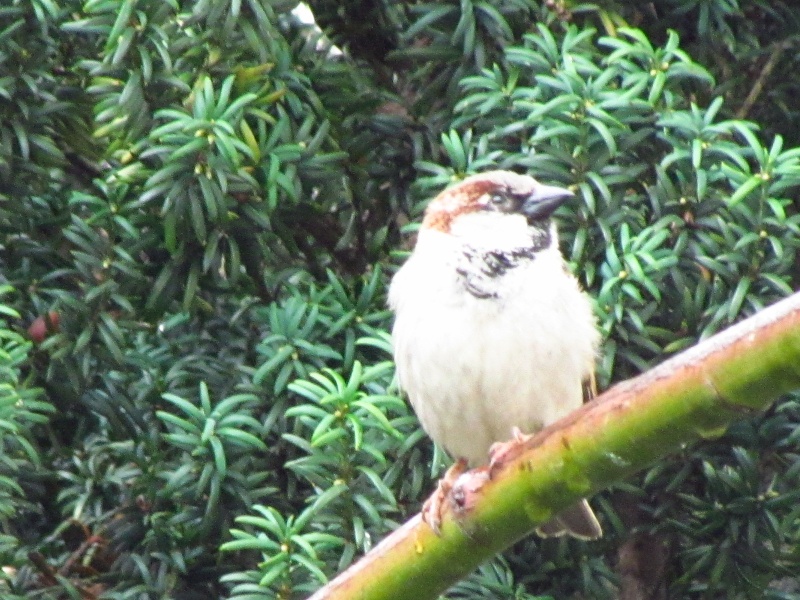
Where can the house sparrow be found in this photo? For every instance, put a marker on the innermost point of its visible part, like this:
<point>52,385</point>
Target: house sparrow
<point>492,334</point>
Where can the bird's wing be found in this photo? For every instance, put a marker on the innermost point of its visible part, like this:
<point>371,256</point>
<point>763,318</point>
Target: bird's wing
<point>589,387</point>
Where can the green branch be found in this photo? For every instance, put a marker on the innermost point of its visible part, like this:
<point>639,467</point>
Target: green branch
<point>694,395</point>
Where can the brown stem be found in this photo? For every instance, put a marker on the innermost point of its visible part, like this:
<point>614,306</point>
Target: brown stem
<point>777,51</point>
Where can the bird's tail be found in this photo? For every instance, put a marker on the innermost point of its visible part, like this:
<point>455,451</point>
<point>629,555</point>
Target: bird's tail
<point>578,521</point>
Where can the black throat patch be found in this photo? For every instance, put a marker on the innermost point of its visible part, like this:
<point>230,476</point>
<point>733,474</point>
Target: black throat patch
<point>481,270</point>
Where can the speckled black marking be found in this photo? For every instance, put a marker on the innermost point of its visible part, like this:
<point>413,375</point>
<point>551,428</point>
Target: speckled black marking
<point>481,270</point>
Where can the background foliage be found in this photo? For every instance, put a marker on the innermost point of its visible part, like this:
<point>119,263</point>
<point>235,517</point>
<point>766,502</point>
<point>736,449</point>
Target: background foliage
<point>201,204</point>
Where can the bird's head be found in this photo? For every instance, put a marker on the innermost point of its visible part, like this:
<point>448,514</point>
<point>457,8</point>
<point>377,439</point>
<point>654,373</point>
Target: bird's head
<point>501,200</point>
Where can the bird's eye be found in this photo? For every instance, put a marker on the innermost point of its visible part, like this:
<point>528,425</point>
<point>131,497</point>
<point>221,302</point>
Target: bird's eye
<point>498,199</point>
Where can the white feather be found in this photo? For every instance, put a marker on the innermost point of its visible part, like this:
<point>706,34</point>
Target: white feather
<point>474,368</point>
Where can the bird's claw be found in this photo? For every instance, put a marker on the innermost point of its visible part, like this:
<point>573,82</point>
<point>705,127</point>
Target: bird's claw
<point>433,509</point>
<point>498,449</point>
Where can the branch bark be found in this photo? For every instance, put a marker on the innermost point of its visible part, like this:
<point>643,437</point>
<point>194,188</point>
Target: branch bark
<point>693,395</point>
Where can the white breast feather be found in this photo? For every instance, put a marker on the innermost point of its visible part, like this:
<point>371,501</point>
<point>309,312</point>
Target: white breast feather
<point>475,368</point>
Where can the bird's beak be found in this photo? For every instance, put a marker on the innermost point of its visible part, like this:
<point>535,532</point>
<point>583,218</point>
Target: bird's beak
<point>542,202</point>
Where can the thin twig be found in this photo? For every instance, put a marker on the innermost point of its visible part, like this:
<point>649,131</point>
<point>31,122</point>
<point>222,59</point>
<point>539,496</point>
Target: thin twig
<point>777,51</point>
<point>50,576</point>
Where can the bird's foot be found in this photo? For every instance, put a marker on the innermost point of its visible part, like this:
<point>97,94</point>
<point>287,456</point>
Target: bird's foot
<point>498,450</point>
<point>433,509</point>
<point>518,436</point>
